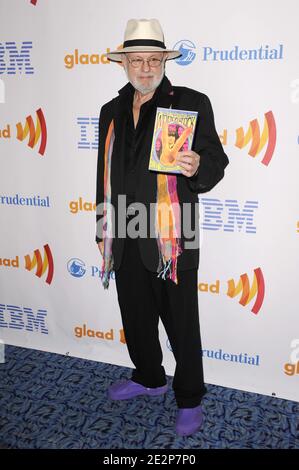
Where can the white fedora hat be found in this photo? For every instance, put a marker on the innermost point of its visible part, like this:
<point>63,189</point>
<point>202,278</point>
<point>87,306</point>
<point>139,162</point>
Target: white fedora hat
<point>143,36</point>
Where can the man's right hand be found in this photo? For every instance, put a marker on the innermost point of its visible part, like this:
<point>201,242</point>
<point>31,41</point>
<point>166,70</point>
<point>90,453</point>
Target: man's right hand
<point>101,247</point>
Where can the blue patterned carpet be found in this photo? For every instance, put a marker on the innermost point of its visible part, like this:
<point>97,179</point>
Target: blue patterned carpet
<point>49,401</point>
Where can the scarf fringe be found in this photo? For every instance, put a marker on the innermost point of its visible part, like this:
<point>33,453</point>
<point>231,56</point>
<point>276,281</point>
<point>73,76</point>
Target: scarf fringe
<point>166,266</point>
<point>106,272</point>
<point>167,269</point>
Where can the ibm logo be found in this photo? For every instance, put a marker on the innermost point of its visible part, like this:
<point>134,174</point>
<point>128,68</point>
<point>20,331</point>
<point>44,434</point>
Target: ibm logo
<point>15,58</point>
<point>23,318</point>
<point>89,133</point>
<point>237,219</point>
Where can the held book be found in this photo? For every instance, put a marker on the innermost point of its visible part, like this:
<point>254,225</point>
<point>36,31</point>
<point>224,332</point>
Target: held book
<point>173,132</point>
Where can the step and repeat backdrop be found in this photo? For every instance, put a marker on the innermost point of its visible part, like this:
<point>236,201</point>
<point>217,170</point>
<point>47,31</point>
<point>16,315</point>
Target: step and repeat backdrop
<point>53,81</point>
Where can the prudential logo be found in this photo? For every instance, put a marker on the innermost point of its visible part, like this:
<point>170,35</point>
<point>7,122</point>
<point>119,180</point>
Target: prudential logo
<point>234,53</point>
<point>76,267</point>
<point>186,48</point>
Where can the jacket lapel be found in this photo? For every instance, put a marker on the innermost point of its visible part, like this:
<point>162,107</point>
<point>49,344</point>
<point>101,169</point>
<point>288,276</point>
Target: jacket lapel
<point>120,122</point>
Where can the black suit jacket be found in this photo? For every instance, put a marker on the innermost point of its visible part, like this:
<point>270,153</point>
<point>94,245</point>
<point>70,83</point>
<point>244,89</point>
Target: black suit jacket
<point>206,143</point>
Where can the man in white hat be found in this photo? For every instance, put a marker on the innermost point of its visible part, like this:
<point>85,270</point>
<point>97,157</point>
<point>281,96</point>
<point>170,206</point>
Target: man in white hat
<point>156,276</point>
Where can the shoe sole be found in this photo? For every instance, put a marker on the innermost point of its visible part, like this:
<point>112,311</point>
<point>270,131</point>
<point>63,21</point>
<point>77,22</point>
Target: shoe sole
<point>150,393</point>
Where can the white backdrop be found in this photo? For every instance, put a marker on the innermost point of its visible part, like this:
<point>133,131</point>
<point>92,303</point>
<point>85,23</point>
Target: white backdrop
<point>52,298</point>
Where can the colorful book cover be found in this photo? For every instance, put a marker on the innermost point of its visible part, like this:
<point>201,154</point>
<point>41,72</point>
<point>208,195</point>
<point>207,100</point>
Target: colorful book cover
<point>173,132</point>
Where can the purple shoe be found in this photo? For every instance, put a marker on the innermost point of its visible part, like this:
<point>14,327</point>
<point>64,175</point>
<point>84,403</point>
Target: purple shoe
<point>129,389</point>
<point>189,420</point>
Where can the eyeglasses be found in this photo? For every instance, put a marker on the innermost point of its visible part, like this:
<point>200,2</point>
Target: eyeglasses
<point>138,62</point>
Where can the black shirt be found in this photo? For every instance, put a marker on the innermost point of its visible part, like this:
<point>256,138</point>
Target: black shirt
<point>134,140</point>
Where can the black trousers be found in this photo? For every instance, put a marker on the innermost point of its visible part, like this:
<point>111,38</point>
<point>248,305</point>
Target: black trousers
<point>143,298</point>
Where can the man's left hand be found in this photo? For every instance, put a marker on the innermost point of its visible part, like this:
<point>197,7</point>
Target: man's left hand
<point>189,162</point>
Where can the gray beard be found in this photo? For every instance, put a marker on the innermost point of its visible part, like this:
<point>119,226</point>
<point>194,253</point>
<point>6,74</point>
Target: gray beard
<point>143,90</point>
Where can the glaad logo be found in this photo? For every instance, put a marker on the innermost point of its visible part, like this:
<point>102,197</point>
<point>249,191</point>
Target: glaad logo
<point>259,140</point>
<point>37,132</point>
<point>70,60</point>
<point>243,287</point>
<point>41,265</point>
<point>186,48</point>
<point>76,267</point>
<point>23,318</point>
<point>89,133</point>
<point>249,292</point>
<point>83,332</point>
<point>291,368</point>
<point>18,61</point>
<point>82,206</point>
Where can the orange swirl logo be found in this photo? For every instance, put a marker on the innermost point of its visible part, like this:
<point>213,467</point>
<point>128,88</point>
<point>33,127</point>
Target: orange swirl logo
<point>36,132</point>
<point>257,289</point>
<point>42,265</point>
<point>258,139</point>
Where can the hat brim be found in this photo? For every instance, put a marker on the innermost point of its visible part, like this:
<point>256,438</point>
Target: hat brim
<point>116,56</point>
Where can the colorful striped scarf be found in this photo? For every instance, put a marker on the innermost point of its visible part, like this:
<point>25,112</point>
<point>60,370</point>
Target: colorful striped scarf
<point>167,224</point>
<point>167,220</point>
<point>107,263</point>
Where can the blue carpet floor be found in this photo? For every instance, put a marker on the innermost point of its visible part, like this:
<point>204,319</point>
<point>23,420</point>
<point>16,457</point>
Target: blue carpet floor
<point>49,401</point>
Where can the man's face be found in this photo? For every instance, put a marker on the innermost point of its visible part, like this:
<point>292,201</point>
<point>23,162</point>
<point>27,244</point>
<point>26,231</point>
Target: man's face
<point>144,78</point>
